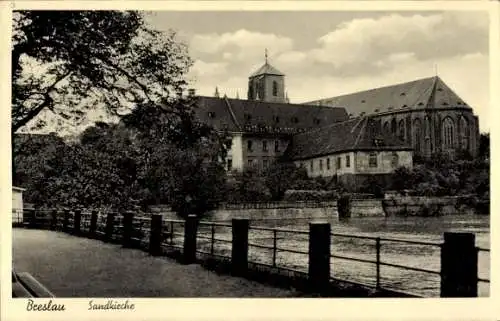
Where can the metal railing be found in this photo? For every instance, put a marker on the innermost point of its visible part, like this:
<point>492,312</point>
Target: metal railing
<point>278,248</point>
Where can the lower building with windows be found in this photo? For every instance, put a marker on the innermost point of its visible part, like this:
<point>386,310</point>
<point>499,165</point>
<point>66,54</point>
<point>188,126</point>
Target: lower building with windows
<point>349,151</point>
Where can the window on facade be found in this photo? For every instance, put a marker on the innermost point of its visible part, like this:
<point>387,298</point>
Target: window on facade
<point>316,121</point>
<point>372,161</point>
<point>295,120</point>
<point>347,161</point>
<point>277,146</point>
<point>264,145</point>
<point>229,164</point>
<point>417,135</point>
<point>328,163</point>
<point>394,160</point>
<point>276,119</point>
<point>248,117</point>
<point>265,163</point>
<point>393,126</point>
<point>249,145</point>
<point>211,114</point>
<point>275,88</point>
<point>312,166</point>
<point>339,162</point>
<point>250,162</point>
<point>401,130</point>
<point>464,133</point>
<point>448,132</point>
<point>320,164</point>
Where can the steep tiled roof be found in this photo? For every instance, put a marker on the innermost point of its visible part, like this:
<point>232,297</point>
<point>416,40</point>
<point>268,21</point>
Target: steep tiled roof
<point>423,93</point>
<point>267,69</point>
<point>259,116</point>
<point>354,134</point>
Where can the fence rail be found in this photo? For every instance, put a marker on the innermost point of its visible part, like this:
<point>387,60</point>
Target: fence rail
<point>244,245</point>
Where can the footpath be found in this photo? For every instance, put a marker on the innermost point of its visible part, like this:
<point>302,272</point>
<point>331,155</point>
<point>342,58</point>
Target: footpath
<point>79,267</point>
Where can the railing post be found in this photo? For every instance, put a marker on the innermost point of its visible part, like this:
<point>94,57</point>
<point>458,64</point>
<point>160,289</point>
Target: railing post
<point>459,265</point>
<point>128,219</point>
<point>190,227</point>
<point>66,221</point>
<point>33,220</point>
<point>93,224</point>
<point>274,248</point>
<point>53,220</point>
<point>77,219</point>
<point>212,240</point>
<point>239,251</point>
<point>108,230</point>
<point>155,235</point>
<point>377,247</point>
<point>319,255</point>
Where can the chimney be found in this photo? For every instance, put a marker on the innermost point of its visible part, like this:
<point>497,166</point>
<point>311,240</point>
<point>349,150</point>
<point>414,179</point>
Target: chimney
<point>191,92</point>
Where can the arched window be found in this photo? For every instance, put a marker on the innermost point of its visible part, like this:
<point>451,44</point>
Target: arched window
<point>275,88</point>
<point>393,126</point>
<point>401,130</point>
<point>417,135</point>
<point>386,127</point>
<point>394,160</point>
<point>448,133</point>
<point>427,135</point>
<point>464,133</point>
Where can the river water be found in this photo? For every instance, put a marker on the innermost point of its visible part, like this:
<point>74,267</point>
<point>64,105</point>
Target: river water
<point>407,228</point>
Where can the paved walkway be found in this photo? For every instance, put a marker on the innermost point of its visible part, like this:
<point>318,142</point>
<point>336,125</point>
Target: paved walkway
<point>78,267</point>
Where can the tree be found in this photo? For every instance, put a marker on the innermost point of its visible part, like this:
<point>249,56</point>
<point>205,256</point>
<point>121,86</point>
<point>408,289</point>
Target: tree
<point>484,145</point>
<point>281,176</point>
<point>69,62</point>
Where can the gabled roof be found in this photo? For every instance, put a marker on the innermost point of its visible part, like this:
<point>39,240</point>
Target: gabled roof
<point>259,116</point>
<point>267,69</point>
<point>354,134</point>
<point>429,92</point>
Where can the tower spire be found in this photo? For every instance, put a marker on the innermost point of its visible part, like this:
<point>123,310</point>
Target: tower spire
<point>216,94</point>
<point>265,54</point>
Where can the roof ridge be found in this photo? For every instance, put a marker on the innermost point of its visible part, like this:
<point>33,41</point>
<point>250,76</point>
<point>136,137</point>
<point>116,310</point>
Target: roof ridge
<point>327,126</point>
<point>279,103</point>
<point>361,131</point>
<point>230,109</point>
<point>373,89</point>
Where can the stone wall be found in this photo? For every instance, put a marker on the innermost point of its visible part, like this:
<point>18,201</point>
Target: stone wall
<point>425,206</point>
<point>277,214</point>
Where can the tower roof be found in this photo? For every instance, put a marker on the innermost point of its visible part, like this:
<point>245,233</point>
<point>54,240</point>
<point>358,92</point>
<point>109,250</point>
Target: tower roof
<point>267,69</point>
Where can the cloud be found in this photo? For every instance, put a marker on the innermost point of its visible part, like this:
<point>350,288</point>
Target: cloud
<point>369,44</point>
<point>241,44</point>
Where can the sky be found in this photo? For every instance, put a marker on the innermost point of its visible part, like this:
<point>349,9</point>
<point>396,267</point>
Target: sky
<point>329,53</point>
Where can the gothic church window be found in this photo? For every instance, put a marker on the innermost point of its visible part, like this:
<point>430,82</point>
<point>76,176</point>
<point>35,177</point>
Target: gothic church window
<point>417,135</point>
<point>264,146</point>
<point>250,145</point>
<point>464,133</point>
<point>401,130</point>
<point>277,146</point>
<point>393,126</point>
<point>448,133</point>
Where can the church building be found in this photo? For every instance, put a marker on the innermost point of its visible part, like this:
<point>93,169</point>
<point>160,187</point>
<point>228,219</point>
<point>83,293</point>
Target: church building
<point>347,137</point>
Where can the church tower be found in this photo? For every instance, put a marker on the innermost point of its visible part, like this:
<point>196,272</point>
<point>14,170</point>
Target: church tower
<point>267,84</point>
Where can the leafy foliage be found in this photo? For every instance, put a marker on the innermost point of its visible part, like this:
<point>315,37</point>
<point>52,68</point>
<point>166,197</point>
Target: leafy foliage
<point>70,62</point>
